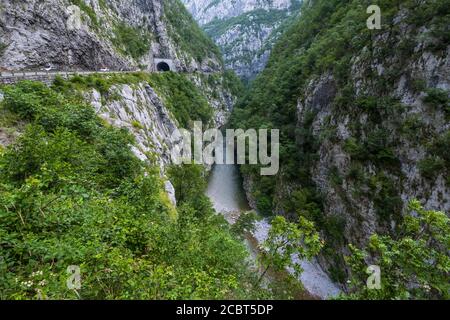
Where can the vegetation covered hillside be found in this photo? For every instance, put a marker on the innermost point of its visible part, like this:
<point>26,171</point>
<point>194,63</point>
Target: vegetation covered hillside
<point>364,118</point>
<point>87,198</point>
<point>72,193</point>
<point>244,30</point>
<point>98,34</point>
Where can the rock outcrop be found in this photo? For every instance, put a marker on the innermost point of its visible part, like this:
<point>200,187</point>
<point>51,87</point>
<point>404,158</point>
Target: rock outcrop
<point>142,111</point>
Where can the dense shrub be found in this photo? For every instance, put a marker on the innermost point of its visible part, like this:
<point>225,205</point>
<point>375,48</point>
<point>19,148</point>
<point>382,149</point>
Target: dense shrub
<point>431,167</point>
<point>436,97</point>
<point>3,47</point>
<point>182,98</point>
<point>375,148</point>
<point>438,160</point>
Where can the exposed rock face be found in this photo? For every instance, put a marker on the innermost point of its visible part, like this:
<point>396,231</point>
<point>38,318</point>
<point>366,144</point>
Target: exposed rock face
<point>142,111</point>
<point>245,30</point>
<point>206,11</point>
<point>109,34</point>
<point>170,192</point>
<point>140,106</point>
<point>35,33</point>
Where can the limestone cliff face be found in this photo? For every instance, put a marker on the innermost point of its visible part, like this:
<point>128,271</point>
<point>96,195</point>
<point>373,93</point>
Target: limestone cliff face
<point>206,11</point>
<point>141,108</point>
<point>244,30</point>
<point>94,34</point>
<point>370,196</point>
<point>364,118</point>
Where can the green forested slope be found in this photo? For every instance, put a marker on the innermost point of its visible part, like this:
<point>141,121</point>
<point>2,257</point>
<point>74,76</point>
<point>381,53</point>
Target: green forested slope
<point>326,49</point>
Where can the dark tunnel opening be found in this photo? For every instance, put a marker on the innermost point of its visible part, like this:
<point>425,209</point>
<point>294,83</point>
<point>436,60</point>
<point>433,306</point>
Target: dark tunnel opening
<point>163,67</point>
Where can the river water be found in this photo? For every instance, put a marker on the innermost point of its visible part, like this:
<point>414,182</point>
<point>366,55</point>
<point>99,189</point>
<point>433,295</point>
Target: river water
<point>225,191</point>
<point>228,197</point>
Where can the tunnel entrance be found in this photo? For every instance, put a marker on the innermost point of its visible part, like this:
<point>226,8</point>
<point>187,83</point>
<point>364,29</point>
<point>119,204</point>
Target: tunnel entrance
<point>162,67</point>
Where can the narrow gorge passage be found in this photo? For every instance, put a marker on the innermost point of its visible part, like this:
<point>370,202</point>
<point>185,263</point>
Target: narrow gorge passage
<point>228,197</point>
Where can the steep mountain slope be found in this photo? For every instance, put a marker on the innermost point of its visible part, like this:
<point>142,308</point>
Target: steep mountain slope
<point>84,181</point>
<point>364,118</point>
<point>124,35</point>
<point>244,30</point>
<point>94,34</point>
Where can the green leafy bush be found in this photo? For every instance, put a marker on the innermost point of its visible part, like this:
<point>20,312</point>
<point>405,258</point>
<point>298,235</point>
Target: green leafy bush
<point>386,197</point>
<point>28,98</point>
<point>233,83</point>
<point>431,167</point>
<point>286,239</point>
<point>438,160</point>
<point>3,47</point>
<point>436,97</point>
<point>182,98</point>
<point>375,148</point>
